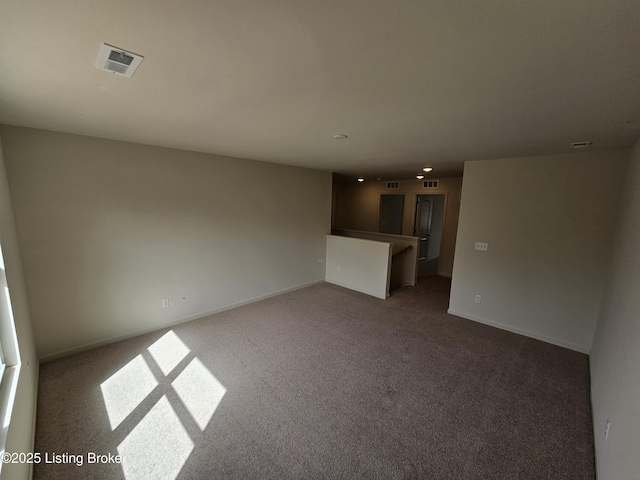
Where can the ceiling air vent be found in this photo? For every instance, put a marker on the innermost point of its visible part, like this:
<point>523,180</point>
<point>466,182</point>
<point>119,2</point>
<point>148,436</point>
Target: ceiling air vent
<point>118,61</point>
<point>393,185</point>
<point>430,184</point>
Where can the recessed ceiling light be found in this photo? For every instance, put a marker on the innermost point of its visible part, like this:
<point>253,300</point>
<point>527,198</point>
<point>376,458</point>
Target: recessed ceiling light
<point>419,177</point>
<point>340,136</point>
<point>361,179</point>
<point>427,169</point>
<point>581,144</point>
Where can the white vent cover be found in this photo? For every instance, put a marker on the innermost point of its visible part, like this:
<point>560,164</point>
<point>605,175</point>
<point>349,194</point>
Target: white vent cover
<point>118,61</point>
<point>430,184</point>
<point>393,185</point>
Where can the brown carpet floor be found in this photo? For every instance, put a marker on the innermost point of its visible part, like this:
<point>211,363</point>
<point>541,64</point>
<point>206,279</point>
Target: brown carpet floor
<point>321,383</point>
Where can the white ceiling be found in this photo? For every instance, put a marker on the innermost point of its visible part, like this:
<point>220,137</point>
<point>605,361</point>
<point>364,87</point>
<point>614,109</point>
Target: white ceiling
<point>411,82</point>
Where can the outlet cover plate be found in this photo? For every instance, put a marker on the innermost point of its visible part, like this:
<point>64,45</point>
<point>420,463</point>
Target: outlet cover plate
<point>482,246</point>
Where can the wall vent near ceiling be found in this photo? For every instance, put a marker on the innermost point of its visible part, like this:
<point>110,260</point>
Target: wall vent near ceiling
<point>118,61</point>
<point>393,185</point>
<point>430,184</point>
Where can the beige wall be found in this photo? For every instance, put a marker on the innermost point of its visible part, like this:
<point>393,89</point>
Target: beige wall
<point>615,356</point>
<point>357,207</point>
<point>549,222</point>
<point>359,264</point>
<point>108,229</point>
<point>21,428</point>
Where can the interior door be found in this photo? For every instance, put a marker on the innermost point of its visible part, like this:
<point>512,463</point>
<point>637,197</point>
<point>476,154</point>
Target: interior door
<point>422,229</point>
<point>391,212</point>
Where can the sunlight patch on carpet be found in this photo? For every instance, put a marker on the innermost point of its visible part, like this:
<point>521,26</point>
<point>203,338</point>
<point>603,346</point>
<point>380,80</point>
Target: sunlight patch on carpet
<point>157,447</point>
<point>200,391</point>
<point>168,351</point>
<point>126,389</point>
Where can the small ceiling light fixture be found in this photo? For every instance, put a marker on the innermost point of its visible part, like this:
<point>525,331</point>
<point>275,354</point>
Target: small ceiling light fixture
<point>340,136</point>
<point>419,177</point>
<point>427,169</point>
<point>581,144</point>
<point>360,179</point>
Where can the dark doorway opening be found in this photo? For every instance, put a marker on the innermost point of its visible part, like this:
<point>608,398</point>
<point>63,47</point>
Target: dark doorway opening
<point>429,227</point>
<point>391,213</point>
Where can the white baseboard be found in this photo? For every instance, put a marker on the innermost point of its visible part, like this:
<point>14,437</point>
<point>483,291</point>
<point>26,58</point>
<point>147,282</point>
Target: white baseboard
<point>118,338</point>
<point>519,331</point>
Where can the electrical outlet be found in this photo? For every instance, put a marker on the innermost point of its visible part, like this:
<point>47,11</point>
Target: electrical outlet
<point>338,268</point>
<point>165,302</point>
<point>606,429</point>
<point>478,298</point>
<point>482,246</point>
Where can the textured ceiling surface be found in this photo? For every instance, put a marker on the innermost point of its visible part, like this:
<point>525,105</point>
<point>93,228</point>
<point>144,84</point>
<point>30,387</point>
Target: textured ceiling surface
<point>412,83</point>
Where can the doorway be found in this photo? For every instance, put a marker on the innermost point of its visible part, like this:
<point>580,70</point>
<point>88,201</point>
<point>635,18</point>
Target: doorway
<point>391,212</point>
<point>429,226</point>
